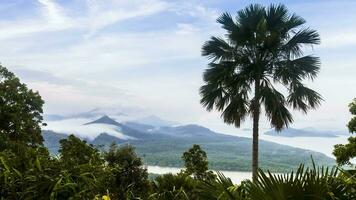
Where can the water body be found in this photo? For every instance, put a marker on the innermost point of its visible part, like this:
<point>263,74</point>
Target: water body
<point>235,176</point>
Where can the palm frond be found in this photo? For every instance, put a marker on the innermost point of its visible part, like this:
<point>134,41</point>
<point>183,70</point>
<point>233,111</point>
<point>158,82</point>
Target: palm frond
<point>304,36</point>
<point>217,49</point>
<point>227,22</point>
<point>303,98</point>
<point>293,22</point>
<point>275,106</point>
<point>276,16</point>
<point>287,71</point>
<point>305,183</point>
<point>236,110</point>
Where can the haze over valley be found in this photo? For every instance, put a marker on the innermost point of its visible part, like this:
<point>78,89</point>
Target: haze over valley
<point>161,141</point>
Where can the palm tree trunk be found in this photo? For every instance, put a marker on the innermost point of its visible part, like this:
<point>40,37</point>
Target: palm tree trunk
<point>256,118</point>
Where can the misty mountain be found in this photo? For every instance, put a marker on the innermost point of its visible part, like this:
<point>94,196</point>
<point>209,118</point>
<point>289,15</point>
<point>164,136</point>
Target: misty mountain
<point>51,140</point>
<point>105,120</point>
<point>164,146</point>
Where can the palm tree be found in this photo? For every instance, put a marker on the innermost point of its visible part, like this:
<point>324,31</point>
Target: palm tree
<point>263,48</point>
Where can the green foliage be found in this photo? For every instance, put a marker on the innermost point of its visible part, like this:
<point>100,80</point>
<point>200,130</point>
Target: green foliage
<point>34,174</point>
<point>175,187</point>
<point>315,183</point>
<point>75,152</point>
<point>196,163</point>
<point>44,177</point>
<point>305,183</point>
<point>125,178</point>
<point>345,152</point>
<point>221,188</point>
<point>79,173</point>
<point>20,111</point>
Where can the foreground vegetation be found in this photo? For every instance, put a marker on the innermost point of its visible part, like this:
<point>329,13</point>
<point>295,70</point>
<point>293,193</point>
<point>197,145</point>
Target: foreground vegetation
<point>82,172</point>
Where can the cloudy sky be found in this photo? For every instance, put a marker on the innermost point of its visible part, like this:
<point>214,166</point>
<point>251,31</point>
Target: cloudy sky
<point>145,54</point>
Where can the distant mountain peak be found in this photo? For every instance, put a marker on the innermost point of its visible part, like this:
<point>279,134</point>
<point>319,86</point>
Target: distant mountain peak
<point>104,120</point>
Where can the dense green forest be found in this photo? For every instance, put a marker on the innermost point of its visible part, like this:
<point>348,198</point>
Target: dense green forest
<point>224,152</point>
<point>82,171</point>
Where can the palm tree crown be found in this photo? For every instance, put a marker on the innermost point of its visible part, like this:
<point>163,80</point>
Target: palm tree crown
<point>263,45</point>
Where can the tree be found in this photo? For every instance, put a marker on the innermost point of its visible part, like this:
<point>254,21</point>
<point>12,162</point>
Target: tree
<point>263,48</point>
<point>20,111</point>
<point>196,163</point>
<point>75,152</point>
<point>352,123</point>
<point>126,177</point>
<point>344,153</point>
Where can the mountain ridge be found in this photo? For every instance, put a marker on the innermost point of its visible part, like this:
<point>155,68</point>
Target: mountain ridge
<point>164,146</point>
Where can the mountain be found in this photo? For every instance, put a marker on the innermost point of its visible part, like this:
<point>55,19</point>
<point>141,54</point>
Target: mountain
<point>51,140</point>
<point>140,127</point>
<point>129,130</point>
<point>105,139</point>
<point>105,120</point>
<point>190,130</point>
<point>163,146</point>
<point>291,132</point>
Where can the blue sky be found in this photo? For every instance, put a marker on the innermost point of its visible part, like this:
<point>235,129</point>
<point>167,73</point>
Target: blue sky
<point>145,54</point>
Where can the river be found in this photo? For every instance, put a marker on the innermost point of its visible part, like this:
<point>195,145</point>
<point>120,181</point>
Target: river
<point>235,176</point>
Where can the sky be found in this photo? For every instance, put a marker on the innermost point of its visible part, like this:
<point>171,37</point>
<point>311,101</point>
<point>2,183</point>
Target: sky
<point>145,55</point>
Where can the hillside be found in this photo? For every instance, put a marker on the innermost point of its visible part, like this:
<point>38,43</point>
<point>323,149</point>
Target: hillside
<point>164,146</point>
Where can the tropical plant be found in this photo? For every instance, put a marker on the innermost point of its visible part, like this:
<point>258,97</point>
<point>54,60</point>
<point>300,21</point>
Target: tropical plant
<point>262,51</point>
<point>221,188</point>
<point>43,177</point>
<point>304,184</point>
<point>175,187</point>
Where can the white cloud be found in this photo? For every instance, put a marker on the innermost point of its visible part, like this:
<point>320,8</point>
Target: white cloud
<point>53,12</point>
<point>77,127</point>
<point>338,38</point>
<point>104,13</point>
